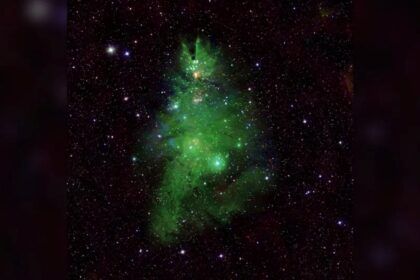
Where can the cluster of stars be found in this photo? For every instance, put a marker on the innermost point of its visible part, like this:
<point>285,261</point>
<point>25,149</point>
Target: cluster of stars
<point>297,96</point>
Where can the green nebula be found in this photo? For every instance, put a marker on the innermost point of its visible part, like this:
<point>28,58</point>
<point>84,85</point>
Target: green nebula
<point>210,142</point>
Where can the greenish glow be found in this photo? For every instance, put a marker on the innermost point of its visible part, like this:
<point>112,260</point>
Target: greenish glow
<point>217,163</point>
<point>207,138</point>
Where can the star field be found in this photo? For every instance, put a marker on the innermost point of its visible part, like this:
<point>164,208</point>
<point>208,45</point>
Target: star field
<point>291,58</point>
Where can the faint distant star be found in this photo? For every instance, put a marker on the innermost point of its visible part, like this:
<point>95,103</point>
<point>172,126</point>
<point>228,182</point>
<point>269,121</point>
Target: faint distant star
<point>305,121</point>
<point>126,98</point>
<point>221,256</point>
<point>126,53</point>
<point>182,252</point>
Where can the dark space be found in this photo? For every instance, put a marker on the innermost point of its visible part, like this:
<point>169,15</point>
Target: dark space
<point>296,59</point>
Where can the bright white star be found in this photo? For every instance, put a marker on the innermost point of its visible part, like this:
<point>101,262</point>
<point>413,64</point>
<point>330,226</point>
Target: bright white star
<point>110,50</point>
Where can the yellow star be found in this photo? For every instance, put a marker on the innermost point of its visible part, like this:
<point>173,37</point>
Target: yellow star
<point>197,75</point>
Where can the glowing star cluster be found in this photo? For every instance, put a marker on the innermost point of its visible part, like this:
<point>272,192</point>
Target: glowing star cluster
<point>209,141</point>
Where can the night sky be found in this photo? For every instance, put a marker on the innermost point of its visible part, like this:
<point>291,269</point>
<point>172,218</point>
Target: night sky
<point>291,58</point>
